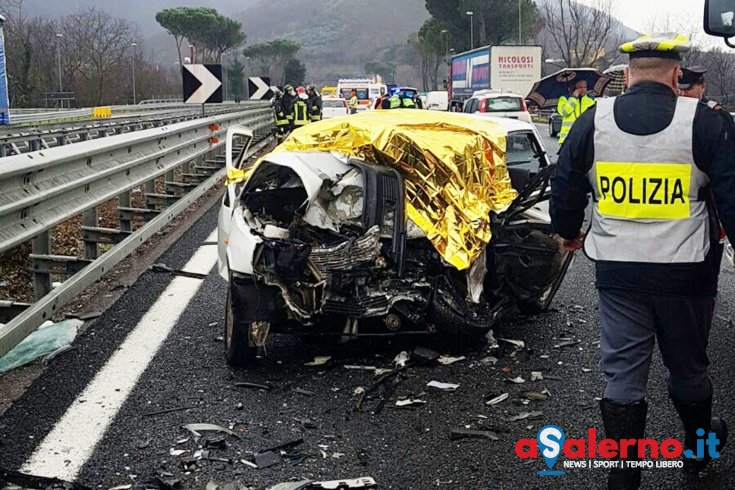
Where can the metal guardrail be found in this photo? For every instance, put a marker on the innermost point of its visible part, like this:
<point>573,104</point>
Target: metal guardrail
<point>40,190</point>
<point>50,136</point>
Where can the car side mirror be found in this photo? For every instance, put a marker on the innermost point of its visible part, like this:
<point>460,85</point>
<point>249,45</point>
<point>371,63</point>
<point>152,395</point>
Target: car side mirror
<point>719,18</point>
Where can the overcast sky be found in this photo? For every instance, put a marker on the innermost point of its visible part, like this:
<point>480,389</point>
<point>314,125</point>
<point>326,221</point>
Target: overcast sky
<point>639,14</point>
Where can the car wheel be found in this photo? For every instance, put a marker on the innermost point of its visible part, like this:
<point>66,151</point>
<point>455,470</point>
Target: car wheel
<point>552,133</point>
<point>454,316</point>
<point>542,303</point>
<point>238,349</point>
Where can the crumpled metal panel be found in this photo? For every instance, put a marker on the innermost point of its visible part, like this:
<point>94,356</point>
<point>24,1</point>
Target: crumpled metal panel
<point>454,167</point>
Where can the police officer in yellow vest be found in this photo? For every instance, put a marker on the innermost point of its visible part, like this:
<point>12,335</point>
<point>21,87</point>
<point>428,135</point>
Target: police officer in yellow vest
<point>653,163</point>
<point>300,111</point>
<point>570,108</point>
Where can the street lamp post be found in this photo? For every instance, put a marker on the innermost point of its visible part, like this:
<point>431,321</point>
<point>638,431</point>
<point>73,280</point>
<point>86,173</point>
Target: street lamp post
<point>248,68</point>
<point>472,32</point>
<point>224,76</point>
<point>519,23</point>
<point>58,57</point>
<point>135,98</point>
<point>446,46</point>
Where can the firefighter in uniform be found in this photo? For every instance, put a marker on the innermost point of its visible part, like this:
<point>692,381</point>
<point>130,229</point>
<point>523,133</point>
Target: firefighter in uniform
<point>572,107</point>
<point>289,97</point>
<point>279,116</point>
<point>653,163</point>
<point>300,111</point>
<point>315,104</point>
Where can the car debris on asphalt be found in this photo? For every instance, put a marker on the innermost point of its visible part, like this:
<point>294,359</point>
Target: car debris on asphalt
<point>442,386</point>
<point>195,429</point>
<point>448,360</point>
<point>497,399</point>
<point>319,361</point>
<point>254,386</point>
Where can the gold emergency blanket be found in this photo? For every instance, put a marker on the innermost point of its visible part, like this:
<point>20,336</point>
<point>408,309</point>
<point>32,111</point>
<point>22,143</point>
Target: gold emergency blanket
<point>453,166</point>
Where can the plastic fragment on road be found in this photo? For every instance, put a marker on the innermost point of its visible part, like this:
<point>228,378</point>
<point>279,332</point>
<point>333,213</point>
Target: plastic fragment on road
<point>401,359</point>
<point>519,344</point>
<point>537,376</point>
<point>448,360</point>
<point>122,487</point>
<point>586,370</point>
<point>304,392</point>
<point>177,452</point>
<point>410,402</point>
<point>442,386</point>
<point>517,380</point>
<point>566,343</point>
<point>45,341</point>
<point>497,399</point>
<point>362,482</point>
<point>249,463</point>
<point>319,361</point>
<point>195,429</point>
<point>491,342</point>
<point>525,415</point>
<point>535,396</point>
<point>267,459</point>
<point>424,354</point>
<point>468,433</point>
<point>489,361</point>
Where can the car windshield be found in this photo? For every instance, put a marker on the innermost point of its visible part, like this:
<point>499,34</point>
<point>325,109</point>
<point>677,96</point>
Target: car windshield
<point>503,104</point>
<point>522,150</point>
<point>333,103</point>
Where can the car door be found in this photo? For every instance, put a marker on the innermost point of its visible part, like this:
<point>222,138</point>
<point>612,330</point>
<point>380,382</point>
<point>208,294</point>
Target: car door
<point>237,134</point>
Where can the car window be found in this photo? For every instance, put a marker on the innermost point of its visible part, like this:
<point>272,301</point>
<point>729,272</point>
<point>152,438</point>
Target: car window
<point>333,103</point>
<point>470,106</point>
<point>523,151</point>
<point>503,104</point>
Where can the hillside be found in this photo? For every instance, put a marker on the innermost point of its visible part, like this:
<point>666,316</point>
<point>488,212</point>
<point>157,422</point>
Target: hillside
<point>337,37</point>
<point>141,12</point>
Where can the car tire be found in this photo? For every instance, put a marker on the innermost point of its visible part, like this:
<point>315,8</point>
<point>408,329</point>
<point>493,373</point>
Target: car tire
<point>541,304</point>
<point>238,351</point>
<point>445,311</point>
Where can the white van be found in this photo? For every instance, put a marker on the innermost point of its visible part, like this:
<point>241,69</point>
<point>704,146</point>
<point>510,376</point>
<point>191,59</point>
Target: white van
<point>437,100</point>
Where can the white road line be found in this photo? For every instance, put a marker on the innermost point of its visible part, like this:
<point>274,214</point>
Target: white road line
<point>73,439</point>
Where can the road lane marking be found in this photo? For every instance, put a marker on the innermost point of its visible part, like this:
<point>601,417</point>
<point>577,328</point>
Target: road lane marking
<point>73,439</point>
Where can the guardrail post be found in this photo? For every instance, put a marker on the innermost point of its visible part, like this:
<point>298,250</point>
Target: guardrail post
<point>41,245</point>
<point>89,218</point>
<point>34,145</point>
<point>123,201</point>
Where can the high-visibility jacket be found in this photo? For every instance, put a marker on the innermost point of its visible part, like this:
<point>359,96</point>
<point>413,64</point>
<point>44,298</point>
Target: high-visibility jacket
<point>649,195</point>
<point>352,104</point>
<point>395,101</point>
<point>570,109</point>
<point>287,102</point>
<point>279,115</point>
<point>408,103</point>
<point>315,107</point>
<point>300,113</point>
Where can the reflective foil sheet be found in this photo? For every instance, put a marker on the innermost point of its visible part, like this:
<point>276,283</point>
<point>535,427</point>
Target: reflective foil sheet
<point>453,165</point>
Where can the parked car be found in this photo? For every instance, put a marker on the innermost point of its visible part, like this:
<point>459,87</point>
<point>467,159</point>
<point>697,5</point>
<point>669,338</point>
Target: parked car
<point>554,124</point>
<point>437,100</point>
<point>334,107</point>
<point>500,104</point>
<point>316,242</point>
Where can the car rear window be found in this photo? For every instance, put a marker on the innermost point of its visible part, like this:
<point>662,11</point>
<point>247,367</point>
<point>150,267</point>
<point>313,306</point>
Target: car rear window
<point>503,104</point>
<point>334,103</point>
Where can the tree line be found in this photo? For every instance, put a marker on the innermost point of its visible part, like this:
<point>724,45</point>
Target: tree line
<point>88,52</point>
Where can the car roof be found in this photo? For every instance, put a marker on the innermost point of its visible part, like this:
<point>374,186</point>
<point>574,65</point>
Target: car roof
<point>492,96</point>
<point>508,124</point>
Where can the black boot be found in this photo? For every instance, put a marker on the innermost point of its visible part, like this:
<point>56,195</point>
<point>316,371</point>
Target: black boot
<point>624,421</point>
<point>694,416</point>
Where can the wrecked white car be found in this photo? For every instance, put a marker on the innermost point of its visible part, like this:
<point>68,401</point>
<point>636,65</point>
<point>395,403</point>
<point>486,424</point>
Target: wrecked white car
<point>387,224</point>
